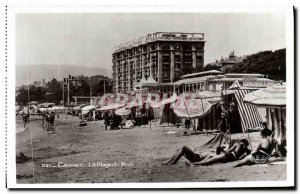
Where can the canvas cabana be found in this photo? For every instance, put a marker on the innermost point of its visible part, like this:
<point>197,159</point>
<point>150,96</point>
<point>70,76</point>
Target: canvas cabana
<point>241,116</point>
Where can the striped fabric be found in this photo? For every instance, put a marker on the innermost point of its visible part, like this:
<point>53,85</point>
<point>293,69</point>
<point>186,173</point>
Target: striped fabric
<point>250,117</point>
<point>274,118</point>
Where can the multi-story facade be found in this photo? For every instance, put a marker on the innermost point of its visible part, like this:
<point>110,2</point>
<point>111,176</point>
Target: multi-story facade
<point>159,55</point>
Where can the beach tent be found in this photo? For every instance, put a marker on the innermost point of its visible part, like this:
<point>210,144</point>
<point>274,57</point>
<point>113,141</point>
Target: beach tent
<point>273,98</point>
<point>209,121</point>
<point>142,81</point>
<point>123,112</point>
<point>242,113</point>
<point>150,80</point>
<point>235,85</point>
<point>168,115</point>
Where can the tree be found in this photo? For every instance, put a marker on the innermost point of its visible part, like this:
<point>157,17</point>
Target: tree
<point>54,91</point>
<point>30,93</point>
<point>271,64</point>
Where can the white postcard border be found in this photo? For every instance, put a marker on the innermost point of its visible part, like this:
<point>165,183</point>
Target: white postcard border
<point>11,176</point>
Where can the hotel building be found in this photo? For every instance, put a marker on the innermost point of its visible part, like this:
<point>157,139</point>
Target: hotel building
<point>161,57</point>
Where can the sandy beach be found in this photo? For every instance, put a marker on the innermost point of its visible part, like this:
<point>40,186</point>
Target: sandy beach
<point>91,154</point>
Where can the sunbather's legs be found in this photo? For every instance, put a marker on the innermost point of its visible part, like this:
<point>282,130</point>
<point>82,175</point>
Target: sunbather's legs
<point>246,161</point>
<point>172,157</point>
<point>212,160</point>
<point>186,152</point>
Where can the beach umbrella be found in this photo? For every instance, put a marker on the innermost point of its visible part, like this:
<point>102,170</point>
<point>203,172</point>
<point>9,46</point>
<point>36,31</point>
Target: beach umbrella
<point>88,108</point>
<point>55,108</point>
<point>271,97</point>
<point>42,109</point>
<point>112,106</point>
<point>192,108</point>
<point>77,107</point>
<point>212,97</point>
<point>169,100</point>
<point>123,112</point>
<point>138,100</point>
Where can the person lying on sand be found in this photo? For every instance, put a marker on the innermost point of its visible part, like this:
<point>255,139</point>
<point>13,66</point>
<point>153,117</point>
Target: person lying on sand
<point>263,151</point>
<point>191,156</point>
<point>238,151</point>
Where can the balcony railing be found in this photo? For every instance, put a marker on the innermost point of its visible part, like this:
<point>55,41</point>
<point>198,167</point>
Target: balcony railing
<point>160,36</point>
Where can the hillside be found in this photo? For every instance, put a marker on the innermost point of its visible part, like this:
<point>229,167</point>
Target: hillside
<point>48,72</point>
<point>272,64</point>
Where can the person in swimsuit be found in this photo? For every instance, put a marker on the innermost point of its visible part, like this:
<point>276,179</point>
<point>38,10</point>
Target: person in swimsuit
<point>263,151</point>
<point>192,156</point>
<point>237,152</point>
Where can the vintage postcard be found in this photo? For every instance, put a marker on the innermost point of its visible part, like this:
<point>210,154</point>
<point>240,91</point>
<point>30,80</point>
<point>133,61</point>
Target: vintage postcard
<point>128,97</point>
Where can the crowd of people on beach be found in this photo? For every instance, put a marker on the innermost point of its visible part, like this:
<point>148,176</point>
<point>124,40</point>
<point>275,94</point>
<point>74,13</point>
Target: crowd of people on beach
<point>48,118</point>
<point>231,151</point>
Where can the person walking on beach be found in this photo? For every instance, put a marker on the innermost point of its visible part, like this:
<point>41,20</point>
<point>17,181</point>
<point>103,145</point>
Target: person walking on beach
<point>43,120</point>
<point>25,119</point>
<point>106,120</point>
<point>51,119</point>
<point>187,123</point>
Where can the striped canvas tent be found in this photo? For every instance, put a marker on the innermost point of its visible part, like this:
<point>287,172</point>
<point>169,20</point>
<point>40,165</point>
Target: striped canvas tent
<point>249,115</point>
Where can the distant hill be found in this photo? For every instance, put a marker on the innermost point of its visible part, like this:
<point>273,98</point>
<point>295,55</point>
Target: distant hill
<point>272,64</point>
<point>48,72</point>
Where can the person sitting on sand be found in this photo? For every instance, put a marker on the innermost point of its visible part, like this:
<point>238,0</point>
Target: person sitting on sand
<point>263,151</point>
<point>237,152</point>
<point>191,156</point>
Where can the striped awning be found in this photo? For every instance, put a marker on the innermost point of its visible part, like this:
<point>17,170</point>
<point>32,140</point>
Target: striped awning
<point>192,108</point>
<point>272,97</point>
<point>250,117</point>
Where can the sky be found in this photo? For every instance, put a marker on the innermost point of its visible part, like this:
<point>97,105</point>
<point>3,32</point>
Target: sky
<point>88,39</point>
